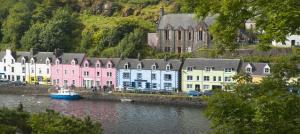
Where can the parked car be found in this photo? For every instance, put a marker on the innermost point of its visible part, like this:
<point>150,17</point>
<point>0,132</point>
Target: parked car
<point>208,92</point>
<point>194,93</point>
<point>18,83</point>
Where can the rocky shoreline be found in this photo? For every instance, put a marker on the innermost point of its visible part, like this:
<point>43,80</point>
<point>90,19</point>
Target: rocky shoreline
<point>178,100</point>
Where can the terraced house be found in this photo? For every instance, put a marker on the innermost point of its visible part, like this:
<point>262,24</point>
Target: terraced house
<point>99,72</point>
<point>257,70</point>
<point>66,69</point>
<point>149,74</point>
<point>206,74</point>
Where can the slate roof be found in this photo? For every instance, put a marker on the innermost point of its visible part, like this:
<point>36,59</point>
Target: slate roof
<point>183,20</point>
<point>147,64</point>
<point>66,58</point>
<point>2,54</point>
<point>18,56</point>
<point>257,68</point>
<point>103,61</point>
<point>217,64</point>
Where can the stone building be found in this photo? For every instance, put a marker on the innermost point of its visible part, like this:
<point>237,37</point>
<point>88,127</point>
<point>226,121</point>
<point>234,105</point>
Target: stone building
<point>182,33</point>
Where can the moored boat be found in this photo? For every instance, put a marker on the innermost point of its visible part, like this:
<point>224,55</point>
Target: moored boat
<point>65,94</point>
<point>126,100</point>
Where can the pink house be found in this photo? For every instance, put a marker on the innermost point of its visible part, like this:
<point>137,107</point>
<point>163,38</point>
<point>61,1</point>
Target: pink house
<point>99,72</point>
<point>66,70</point>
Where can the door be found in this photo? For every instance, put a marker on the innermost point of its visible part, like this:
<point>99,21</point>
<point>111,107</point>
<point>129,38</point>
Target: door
<point>293,42</point>
<point>147,85</point>
<point>133,84</point>
<point>197,87</point>
<point>179,49</point>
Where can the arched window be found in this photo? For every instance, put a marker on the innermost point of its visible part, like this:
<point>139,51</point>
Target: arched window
<point>168,67</point>
<point>139,66</point>
<point>126,66</point>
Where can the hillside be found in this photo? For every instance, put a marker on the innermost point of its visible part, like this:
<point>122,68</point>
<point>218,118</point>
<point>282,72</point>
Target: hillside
<point>97,27</point>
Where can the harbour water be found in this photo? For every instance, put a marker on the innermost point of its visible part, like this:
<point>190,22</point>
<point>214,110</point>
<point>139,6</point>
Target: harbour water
<point>120,118</point>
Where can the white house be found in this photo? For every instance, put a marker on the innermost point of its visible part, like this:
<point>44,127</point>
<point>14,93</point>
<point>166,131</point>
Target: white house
<point>291,40</point>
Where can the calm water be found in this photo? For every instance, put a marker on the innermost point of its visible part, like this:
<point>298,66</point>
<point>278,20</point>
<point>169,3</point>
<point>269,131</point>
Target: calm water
<point>121,118</point>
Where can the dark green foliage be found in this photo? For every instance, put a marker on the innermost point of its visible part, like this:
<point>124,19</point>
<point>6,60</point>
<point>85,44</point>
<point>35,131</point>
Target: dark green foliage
<point>50,122</point>
<point>267,107</point>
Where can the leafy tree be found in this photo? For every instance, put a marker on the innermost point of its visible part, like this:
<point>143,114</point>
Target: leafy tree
<point>274,18</point>
<point>267,107</point>
<point>32,37</point>
<point>16,24</point>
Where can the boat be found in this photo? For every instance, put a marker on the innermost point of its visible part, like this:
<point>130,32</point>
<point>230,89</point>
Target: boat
<point>126,100</point>
<point>65,94</point>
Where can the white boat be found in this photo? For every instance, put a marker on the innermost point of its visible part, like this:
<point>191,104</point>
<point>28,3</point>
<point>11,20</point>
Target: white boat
<point>126,100</point>
<point>65,94</point>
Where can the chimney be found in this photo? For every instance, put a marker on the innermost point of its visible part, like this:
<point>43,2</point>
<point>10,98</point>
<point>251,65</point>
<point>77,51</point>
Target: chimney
<point>139,56</point>
<point>33,51</point>
<point>162,12</point>
<point>8,51</point>
<point>58,52</point>
<point>165,58</point>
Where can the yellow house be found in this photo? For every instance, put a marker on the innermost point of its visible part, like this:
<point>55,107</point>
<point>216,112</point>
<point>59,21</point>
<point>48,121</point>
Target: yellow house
<point>257,70</point>
<point>202,74</point>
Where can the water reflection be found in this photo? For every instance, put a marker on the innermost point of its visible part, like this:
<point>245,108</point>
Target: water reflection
<point>121,118</point>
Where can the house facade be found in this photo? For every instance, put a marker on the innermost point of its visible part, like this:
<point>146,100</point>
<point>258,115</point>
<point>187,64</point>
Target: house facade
<point>257,70</point>
<point>181,33</point>
<point>99,72</point>
<point>202,74</point>
<point>291,40</point>
<point>66,69</point>
<point>149,74</point>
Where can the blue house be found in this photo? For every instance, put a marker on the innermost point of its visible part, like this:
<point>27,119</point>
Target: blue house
<point>149,74</point>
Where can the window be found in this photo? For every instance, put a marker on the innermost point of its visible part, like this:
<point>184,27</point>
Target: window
<point>198,78</point>
<point>97,83</point>
<point>126,75</point>
<point>206,78</point>
<point>98,74</point>
<point>208,69</point>
<point>139,75</point>
<point>189,68</point>
<point>214,78</point>
<point>32,70</point>
<point>12,69</point>
<point>73,72</point>
<point>168,77</point>
<point>65,71</point>
<point>40,71</point>
<point>4,68</point>
<point>4,60</point>
<point>167,49</point>
<point>200,35</point>
<point>205,86</point>
<point>153,76</point>
<point>139,66</point>
<point>23,70</point>
<point>73,63</point>
<point>139,84</point>
<point>153,67</point>
<point>248,70</point>
<point>109,65</point>
<point>126,84</point>
<point>267,70</point>
<point>47,62</point>
<point>168,67</point>
<point>220,78</point>
<point>166,34</point>
<point>86,65</point>
<point>179,35</point>
<point>12,61</point>
<point>190,35</point>
<point>73,82</point>
<point>227,79</point>
<point>57,71</point>
<point>109,74</point>
<point>57,81</point>
<point>227,70</point>
<point>154,85</point>
<point>23,61</point>
<point>98,65</point>
<point>189,86</point>
<point>57,62</point>
<point>126,66</point>
<point>168,85</point>
<point>86,73</point>
<point>189,77</point>
<point>48,71</point>
<point>32,62</point>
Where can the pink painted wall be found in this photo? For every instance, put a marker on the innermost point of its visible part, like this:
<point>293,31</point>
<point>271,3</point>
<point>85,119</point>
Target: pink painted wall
<point>66,72</point>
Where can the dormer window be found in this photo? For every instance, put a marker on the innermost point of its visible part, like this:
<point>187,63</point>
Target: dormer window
<point>228,70</point>
<point>73,63</point>
<point>32,61</point>
<point>139,66</point>
<point>108,65</point>
<point>154,67</point>
<point>98,65</point>
<point>189,68</point>
<point>4,60</point>
<point>168,67</point>
<point>267,69</point>
<point>86,65</point>
<point>208,69</point>
<point>47,62</point>
<point>126,66</point>
<point>23,62</point>
<point>12,61</point>
<point>57,62</point>
<point>249,69</point>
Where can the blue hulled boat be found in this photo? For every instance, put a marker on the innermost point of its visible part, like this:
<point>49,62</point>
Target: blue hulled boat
<point>65,94</point>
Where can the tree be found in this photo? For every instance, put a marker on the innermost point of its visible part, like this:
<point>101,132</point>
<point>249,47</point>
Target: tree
<point>16,24</point>
<point>267,107</point>
<point>32,37</point>
<point>275,19</point>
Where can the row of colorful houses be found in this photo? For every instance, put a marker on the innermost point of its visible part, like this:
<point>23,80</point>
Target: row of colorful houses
<point>76,69</point>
